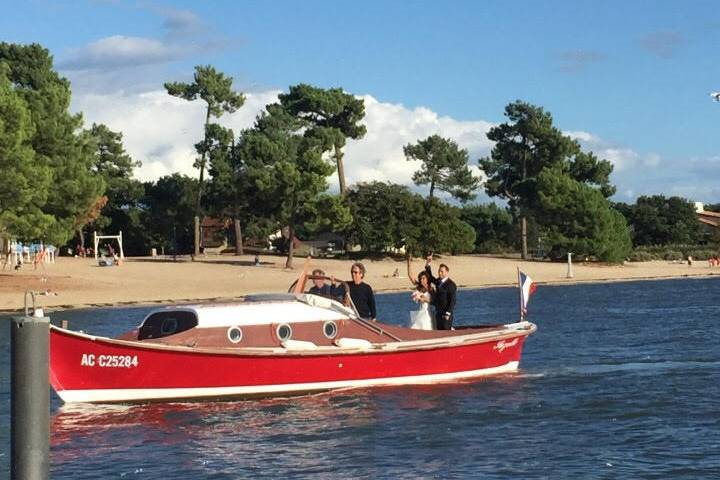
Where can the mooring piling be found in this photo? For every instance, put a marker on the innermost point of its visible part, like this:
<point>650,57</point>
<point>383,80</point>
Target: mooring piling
<point>30,394</point>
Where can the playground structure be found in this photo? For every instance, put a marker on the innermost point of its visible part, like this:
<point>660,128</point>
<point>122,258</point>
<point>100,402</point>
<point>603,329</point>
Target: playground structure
<point>97,238</point>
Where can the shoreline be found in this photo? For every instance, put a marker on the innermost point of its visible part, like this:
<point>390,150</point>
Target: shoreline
<point>144,281</point>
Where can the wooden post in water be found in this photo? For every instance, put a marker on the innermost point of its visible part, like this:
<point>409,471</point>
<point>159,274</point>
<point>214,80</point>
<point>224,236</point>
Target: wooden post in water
<point>30,395</point>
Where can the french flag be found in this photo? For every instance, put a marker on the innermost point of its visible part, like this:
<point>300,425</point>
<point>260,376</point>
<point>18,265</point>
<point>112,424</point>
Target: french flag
<point>527,288</point>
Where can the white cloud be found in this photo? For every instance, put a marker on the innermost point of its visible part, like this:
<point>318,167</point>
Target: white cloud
<point>390,126</point>
<point>184,35</point>
<point>118,51</point>
<point>622,158</point>
<point>160,130</point>
<point>581,136</point>
<point>651,160</point>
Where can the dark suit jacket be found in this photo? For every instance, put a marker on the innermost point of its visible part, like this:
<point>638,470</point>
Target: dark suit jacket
<point>445,294</point>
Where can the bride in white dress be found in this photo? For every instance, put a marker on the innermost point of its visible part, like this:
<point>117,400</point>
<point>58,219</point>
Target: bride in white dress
<point>422,318</point>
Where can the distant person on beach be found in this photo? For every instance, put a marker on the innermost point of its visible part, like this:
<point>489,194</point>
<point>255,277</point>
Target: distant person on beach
<point>361,293</point>
<point>322,288</point>
<point>445,295</point>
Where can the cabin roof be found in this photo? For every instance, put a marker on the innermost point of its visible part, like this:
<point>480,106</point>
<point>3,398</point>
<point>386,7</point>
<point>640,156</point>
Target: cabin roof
<point>263,312</point>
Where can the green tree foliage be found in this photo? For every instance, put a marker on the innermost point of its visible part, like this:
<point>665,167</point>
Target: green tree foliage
<point>494,230</point>
<point>24,182</point>
<point>660,220</point>
<point>169,206</point>
<point>285,164</point>
<point>227,193</point>
<point>526,145</point>
<point>385,216</point>
<point>234,192</point>
<point>445,232</point>
<point>215,89</point>
<point>577,218</point>
<point>50,164</point>
<point>124,193</point>
<point>330,214</point>
<point>330,113</point>
<point>444,166</point>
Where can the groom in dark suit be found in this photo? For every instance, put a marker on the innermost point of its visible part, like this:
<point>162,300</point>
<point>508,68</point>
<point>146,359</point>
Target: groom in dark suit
<point>444,297</point>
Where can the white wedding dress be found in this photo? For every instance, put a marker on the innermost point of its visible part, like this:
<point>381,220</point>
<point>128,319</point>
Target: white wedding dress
<point>422,318</point>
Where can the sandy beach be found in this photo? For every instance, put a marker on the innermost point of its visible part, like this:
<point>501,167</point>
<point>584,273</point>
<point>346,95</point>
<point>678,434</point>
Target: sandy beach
<point>79,282</point>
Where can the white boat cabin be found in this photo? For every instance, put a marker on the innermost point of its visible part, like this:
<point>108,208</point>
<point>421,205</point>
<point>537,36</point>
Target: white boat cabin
<point>274,309</point>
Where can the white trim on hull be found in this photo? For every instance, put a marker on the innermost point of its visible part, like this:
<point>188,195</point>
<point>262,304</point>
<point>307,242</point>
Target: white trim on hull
<point>150,394</point>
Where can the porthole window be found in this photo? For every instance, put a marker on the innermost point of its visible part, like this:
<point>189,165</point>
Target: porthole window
<point>234,334</point>
<point>284,332</point>
<point>330,329</point>
<point>169,326</point>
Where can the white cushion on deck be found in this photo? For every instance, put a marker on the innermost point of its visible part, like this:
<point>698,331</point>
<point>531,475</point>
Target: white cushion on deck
<point>352,343</point>
<point>298,345</point>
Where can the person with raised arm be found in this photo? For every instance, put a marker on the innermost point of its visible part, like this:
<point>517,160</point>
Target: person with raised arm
<point>445,295</point>
<point>322,288</point>
<point>422,318</point>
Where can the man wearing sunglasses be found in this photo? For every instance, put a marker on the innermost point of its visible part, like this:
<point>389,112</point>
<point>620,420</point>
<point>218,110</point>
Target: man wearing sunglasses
<point>361,293</point>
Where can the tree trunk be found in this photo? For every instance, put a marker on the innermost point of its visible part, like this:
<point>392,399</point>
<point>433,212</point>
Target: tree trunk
<point>197,237</point>
<point>291,247</point>
<point>238,237</point>
<point>200,187</point>
<point>340,169</point>
<point>81,240</point>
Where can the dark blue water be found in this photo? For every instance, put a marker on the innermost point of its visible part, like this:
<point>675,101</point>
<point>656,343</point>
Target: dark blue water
<point>621,381</point>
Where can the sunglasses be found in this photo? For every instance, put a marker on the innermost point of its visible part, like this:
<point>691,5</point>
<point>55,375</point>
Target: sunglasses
<point>356,271</point>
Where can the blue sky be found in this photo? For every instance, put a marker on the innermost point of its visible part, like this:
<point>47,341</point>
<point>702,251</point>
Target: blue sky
<point>630,80</point>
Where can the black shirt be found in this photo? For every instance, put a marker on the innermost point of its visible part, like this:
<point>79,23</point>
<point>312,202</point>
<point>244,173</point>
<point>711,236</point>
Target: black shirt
<point>364,299</point>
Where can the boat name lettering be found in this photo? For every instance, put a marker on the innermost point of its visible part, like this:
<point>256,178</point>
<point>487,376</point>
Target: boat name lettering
<point>502,345</point>
<point>110,361</point>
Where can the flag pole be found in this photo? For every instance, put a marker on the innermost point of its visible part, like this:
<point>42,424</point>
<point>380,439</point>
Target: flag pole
<point>522,317</point>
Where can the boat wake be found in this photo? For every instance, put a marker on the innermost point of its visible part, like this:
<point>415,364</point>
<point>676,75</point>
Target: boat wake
<point>634,367</point>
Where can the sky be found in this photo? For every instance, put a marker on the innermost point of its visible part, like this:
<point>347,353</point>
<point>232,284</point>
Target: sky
<point>630,80</point>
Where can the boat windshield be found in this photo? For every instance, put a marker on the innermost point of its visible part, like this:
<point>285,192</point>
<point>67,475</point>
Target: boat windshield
<point>273,297</point>
<point>306,298</point>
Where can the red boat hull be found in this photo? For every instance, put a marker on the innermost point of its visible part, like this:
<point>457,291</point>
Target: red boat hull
<point>94,369</point>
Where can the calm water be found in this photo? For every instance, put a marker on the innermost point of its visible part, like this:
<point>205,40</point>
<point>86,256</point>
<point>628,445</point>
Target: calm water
<point>620,381</point>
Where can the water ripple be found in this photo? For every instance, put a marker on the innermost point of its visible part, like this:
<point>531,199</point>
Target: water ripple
<point>620,381</point>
